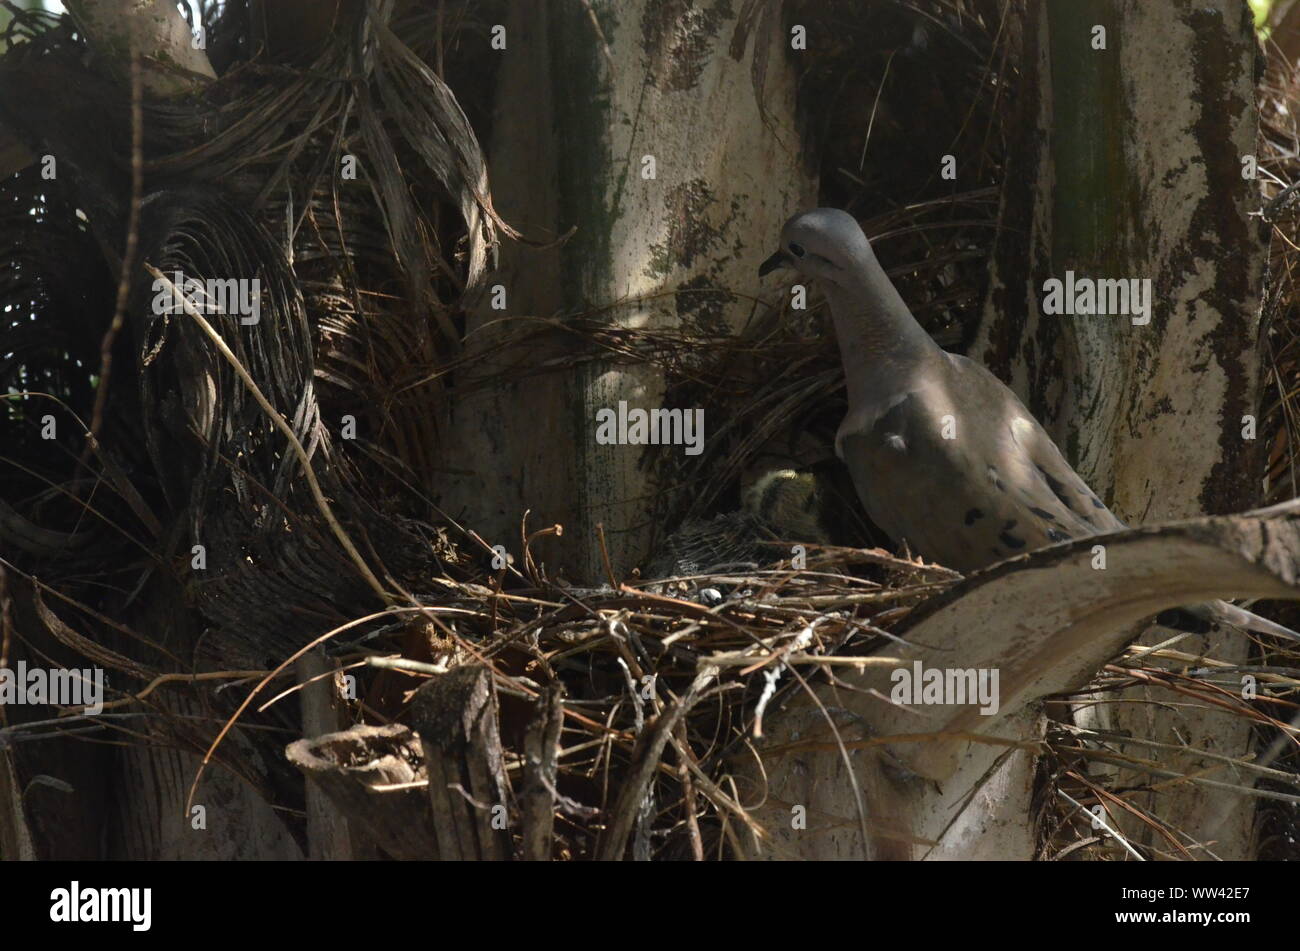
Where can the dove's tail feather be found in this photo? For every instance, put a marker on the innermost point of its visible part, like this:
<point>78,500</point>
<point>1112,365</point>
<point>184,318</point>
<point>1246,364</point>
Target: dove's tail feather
<point>1225,613</point>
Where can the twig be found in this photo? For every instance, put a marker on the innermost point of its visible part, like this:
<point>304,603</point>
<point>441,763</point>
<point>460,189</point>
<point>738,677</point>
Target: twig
<point>128,259</point>
<point>1101,822</point>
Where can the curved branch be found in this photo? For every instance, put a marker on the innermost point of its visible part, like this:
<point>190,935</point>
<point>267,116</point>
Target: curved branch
<point>1045,622</point>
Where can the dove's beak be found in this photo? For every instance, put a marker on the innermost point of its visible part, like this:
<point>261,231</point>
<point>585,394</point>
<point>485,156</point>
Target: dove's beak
<point>771,264</point>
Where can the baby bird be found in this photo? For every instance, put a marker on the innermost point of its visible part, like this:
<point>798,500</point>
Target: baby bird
<point>782,505</point>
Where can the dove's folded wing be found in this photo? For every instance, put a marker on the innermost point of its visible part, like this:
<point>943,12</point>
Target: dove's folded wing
<point>961,471</point>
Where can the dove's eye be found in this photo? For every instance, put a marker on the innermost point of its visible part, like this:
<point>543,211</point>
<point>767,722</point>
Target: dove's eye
<point>796,250</point>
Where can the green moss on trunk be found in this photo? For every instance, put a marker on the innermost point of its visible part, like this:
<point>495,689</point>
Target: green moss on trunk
<point>1087,143</point>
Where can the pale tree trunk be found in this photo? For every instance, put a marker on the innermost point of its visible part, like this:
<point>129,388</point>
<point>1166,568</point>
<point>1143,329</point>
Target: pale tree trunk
<point>171,62</point>
<point>1131,167</point>
<point>579,110</point>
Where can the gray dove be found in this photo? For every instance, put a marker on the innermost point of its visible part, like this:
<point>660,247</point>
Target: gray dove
<point>943,455</point>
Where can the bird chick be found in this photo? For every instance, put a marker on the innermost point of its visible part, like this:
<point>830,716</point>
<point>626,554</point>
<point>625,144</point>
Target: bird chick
<point>782,505</point>
<point>789,504</point>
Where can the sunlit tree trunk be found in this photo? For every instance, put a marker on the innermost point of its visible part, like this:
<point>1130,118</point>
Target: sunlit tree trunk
<point>1132,167</point>
<point>639,128</point>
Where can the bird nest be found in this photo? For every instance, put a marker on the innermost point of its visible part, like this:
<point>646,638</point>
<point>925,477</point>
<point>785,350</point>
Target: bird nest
<point>661,696</point>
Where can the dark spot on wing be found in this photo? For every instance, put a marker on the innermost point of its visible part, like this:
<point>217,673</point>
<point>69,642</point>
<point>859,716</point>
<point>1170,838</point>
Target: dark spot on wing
<point>1042,513</point>
<point>1011,523</point>
<point>996,479</point>
<point>1097,502</point>
<point>1010,540</point>
<point>1056,487</point>
<point>972,515</point>
<point>1058,490</point>
<point>1056,536</point>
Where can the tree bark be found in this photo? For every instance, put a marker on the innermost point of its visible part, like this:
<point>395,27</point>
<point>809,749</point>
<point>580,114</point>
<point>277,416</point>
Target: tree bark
<point>1130,166</point>
<point>171,63</point>
<point>658,80</point>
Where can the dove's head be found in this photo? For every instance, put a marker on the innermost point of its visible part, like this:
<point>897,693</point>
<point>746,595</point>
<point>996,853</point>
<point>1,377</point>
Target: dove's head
<point>824,243</point>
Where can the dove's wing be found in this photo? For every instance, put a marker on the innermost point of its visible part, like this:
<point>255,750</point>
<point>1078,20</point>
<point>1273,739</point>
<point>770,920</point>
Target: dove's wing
<point>960,470</point>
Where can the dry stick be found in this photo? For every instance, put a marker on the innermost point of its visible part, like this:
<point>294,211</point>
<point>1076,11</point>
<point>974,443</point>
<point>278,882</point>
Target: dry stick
<point>1146,766</point>
<point>402,664</point>
<point>1212,665</point>
<point>819,746</point>
<point>1215,695</point>
<point>128,260</point>
<point>281,425</point>
<point>183,678</point>
<point>1075,847</point>
<point>682,743</point>
<point>874,106</point>
<point>1233,761</point>
<point>308,682</point>
<point>748,660</point>
<point>1106,795</point>
<point>600,35</point>
<point>1101,822</point>
<point>637,786</point>
<point>530,566</point>
<point>604,556</point>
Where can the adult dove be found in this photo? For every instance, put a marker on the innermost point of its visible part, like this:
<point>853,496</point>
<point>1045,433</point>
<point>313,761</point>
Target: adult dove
<point>943,455</point>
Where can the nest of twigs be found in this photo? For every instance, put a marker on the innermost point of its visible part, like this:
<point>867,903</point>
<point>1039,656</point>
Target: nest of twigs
<point>662,695</point>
